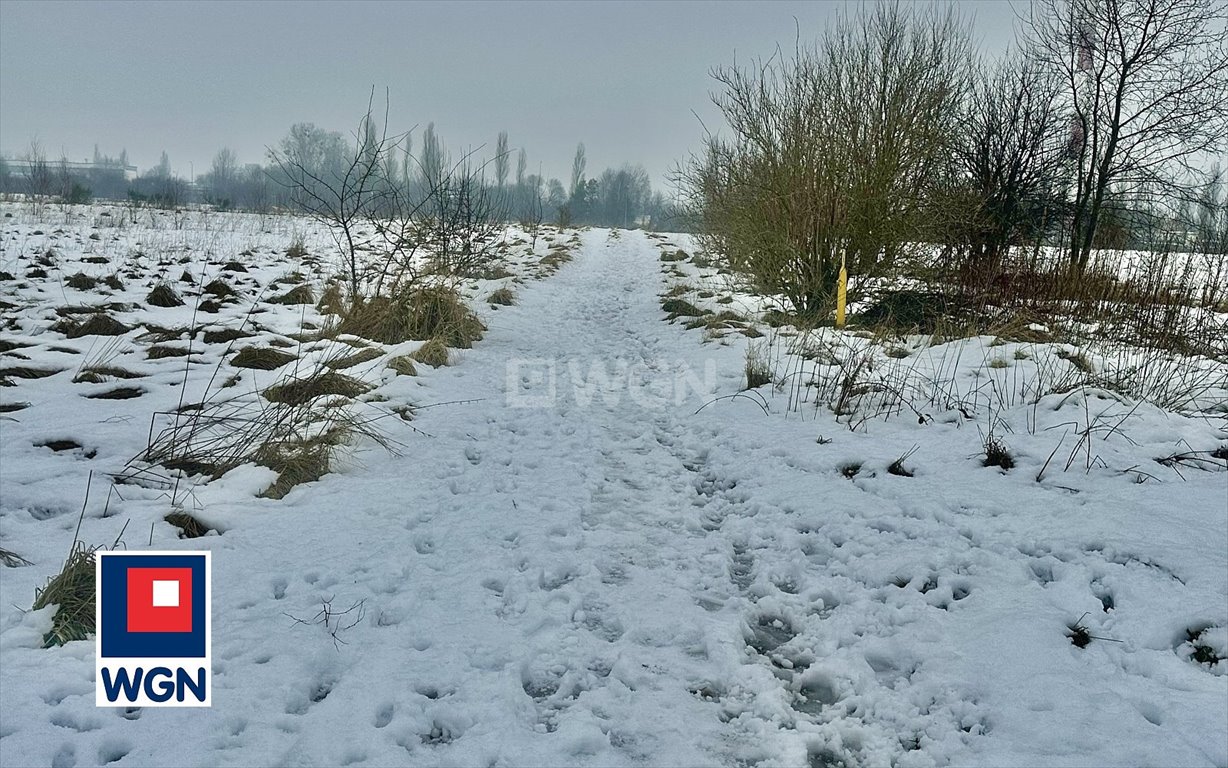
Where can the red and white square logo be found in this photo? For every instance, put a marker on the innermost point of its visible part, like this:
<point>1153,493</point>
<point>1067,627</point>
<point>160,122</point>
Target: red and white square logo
<point>159,599</point>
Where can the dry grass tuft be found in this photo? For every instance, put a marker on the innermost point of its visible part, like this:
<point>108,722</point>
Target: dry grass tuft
<point>349,361</point>
<point>758,365</point>
<point>403,365</point>
<point>297,249</point>
<point>300,391</point>
<point>997,454</point>
<point>433,353</point>
<point>219,289</point>
<point>300,294</point>
<point>299,461</point>
<point>261,358</point>
<point>23,372</point>
<point>81,281</point>
<point>432,312</point>
<point>503,297</point>
<point>225,335</point>
<point>158,352</point>
<point>120,393</point>
<point>99,374</point>
<point>189,527</point>
<point>97,324</point>
<point>72,590</point>
<point>332,301</point>
<point>163,295</point>
<point>675,308</point>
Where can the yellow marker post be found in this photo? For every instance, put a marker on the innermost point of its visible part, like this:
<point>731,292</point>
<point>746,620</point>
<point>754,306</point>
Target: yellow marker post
<point>841,293</point>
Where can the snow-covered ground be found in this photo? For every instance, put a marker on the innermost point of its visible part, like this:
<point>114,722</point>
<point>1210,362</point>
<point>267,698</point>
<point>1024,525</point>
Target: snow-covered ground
<point>587,555</point>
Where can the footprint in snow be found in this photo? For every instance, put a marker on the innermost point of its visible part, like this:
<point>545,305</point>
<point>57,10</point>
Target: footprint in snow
<point>65,757</point>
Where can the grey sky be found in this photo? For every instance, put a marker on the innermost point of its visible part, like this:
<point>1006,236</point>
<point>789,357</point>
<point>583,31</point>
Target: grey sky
<point>192,77</point>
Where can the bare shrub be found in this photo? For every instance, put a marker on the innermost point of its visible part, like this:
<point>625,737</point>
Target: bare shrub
<point>833,153</point>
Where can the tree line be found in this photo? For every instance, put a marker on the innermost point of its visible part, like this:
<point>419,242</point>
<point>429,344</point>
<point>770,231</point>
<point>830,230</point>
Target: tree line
<point>616,197</point>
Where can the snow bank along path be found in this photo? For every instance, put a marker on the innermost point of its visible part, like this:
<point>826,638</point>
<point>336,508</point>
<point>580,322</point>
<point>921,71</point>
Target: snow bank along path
<point>609,578</point>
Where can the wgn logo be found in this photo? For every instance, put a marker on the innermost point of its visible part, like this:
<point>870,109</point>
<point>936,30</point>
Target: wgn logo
<point>153,614</point>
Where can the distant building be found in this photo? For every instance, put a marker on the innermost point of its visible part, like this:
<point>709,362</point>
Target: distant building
<point>21,166</point>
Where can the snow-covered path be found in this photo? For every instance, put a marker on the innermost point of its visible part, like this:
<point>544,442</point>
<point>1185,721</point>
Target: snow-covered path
<point>576,568</point>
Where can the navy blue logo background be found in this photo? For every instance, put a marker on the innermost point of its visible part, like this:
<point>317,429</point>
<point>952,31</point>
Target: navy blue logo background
<point>117,641</point>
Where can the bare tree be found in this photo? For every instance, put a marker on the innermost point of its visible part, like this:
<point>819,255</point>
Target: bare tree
<point>1012,161</point>
<point>578,164</point>
<point>347,195</point>
<point>1146,82</point>
<point>39,182</point>
<point>623,195</point>
<point>502,160</point>
<point>432,164</point>
<point>224,177</point>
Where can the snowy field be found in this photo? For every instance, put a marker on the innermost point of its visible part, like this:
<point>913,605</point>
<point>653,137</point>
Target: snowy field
<point>585,550</point>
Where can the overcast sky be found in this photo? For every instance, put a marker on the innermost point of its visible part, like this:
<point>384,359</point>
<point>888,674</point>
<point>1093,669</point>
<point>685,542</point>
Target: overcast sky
<point>191,77</point>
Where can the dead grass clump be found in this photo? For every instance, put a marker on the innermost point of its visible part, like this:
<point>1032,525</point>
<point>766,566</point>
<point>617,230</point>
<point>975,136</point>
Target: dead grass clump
<point>81,281</point>
<point>332,300</point>
<point>676,308</point>
<point>758,365</point>
<point>98,374</point>
<point>261,358</point>
<point>433,353</point>
<point>233,266</point>
<point>113,282</point>
<point>300,294</point>
<point>496,272</point>
<point>219,289</point>
<point>158,352</point>
<point>163,295</point>
<point>97,324</point>
<point>299,461</point>
<point>997,454</point>
<point>403,365</point>
<point>302,391</point>
<point>189,527</point>
<point>555,259</point>
<point>297,249</point>
<point>120,393</point>
<point>724,319</point>
<point>298,434</point>
<point>72,591</point>
<point>503,297</point>
<point>157,334</point>
<point>21,372</point>
<point>225,335</point>
<point>678,255</point>
<point>432,312</point>
<point>349,361</point>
